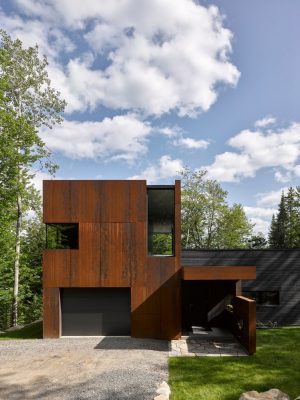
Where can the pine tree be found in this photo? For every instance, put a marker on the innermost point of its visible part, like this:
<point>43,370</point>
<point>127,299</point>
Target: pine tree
<point>272,237</point>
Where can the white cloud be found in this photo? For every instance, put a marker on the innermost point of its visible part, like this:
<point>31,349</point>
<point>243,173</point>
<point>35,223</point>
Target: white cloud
<point>191,143</point>
<point>270,199</point>
<point>170,131</point>
<point>260,212</point>
<point>164,169</point>
<point>122,137</point>
<point>50,39</point>
<point>268,120</point>
<point>261,217</point>
<point>260,225</point>
<point>283,176</point>
<point>277,149</point>
<point>38,178</point>
<point>153,64</point>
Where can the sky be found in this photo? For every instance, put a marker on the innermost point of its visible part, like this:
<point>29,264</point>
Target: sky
<point>156,85</point>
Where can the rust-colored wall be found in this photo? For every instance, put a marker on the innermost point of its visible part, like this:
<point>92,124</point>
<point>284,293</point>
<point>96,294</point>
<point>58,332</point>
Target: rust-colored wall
<point>112,217</point>
<point>194,273</point>
<point>243,322</point>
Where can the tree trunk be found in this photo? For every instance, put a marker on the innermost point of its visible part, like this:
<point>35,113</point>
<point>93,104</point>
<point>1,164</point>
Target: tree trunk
<point>17,261</point>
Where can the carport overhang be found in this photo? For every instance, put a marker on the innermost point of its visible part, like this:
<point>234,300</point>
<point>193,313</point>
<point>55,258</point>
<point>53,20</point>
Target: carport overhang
<point>206,273</point>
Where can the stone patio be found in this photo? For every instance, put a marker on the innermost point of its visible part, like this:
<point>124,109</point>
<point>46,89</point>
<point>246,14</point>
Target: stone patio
<point>215,343</point>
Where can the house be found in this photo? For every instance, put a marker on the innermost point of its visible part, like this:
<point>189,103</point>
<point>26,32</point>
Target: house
<point>113,266</point>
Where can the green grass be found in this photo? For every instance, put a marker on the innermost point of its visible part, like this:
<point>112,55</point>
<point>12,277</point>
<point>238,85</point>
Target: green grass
<point>275,365</point>
<point>31,331</point>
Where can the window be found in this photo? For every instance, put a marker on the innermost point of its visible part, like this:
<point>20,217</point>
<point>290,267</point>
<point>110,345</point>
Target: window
<point>161,214</point>
<point>264,298</point>
<point>62,236</point>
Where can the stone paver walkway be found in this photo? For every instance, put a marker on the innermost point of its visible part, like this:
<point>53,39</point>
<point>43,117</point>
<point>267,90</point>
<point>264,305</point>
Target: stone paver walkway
<point>212,344</point>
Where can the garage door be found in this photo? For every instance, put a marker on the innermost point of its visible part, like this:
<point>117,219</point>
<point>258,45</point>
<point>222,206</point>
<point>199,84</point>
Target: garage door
<point>104,311</point>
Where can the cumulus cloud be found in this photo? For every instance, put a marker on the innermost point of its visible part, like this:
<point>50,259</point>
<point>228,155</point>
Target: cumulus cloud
<point>122,137</point>
<point>164,169</point>
<point>260,212</point>
<point>277,149</point>
<point>270,199</point>
<point>153,64</point>
<point>266,121</point>
<point>191,143</point>
<point>38,178</point>
<point>261,217</point>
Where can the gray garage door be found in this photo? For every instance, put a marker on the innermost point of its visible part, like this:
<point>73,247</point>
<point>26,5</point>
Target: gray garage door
<point>101,311</point>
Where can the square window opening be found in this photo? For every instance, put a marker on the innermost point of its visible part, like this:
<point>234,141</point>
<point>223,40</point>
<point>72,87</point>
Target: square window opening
<point>62,236</point>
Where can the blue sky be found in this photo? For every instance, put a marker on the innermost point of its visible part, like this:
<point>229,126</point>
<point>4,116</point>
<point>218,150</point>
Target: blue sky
<point>155,85</point>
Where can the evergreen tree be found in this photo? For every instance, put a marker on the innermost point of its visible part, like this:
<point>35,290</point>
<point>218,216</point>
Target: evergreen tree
<point>284,230</point>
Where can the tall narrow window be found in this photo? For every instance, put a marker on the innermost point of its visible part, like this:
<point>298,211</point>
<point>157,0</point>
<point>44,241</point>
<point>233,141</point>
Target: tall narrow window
<point>161,212</point>
<point>62,236</point>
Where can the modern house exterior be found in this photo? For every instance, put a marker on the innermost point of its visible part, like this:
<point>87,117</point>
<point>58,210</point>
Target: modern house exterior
<point>113,266</point>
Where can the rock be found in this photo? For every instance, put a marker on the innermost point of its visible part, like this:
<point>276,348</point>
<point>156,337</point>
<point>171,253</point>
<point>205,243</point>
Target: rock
<point>164,389</point>
<point>14,328</point>
<point>272,394</point>
<point>161,397</point>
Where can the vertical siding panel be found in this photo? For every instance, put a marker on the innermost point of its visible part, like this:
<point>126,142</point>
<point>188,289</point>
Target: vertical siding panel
<point>56,202</point>
<point>56,268</point>
<point>52,313</point>
<point>115,263</point>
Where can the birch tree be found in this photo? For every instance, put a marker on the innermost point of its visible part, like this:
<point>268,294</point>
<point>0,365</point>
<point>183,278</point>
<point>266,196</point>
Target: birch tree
<point>28,102</point>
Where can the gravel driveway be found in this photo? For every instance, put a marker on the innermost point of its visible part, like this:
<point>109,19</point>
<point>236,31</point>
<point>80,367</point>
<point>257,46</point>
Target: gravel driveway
<point>82,368</point>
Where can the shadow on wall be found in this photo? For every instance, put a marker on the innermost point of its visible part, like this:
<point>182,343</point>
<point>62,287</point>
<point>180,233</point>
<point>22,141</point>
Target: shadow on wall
<point>128,343</point>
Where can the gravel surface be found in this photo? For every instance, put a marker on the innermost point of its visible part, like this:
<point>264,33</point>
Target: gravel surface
<point>82,368</point>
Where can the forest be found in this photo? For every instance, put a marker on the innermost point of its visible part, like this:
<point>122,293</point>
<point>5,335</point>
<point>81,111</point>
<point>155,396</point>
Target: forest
<point>28,103</point>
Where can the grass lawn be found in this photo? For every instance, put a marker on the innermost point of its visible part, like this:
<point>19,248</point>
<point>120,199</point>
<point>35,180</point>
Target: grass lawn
<point>32,331</point>
<point>275,365</point>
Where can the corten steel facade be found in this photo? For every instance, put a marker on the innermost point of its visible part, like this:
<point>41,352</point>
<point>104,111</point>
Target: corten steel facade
<point>113,253</point>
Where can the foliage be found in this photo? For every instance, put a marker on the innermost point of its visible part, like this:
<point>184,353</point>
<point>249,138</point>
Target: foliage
<point>33,330</point>
<point>258,241</point>
<point>162,244</point>
<point>30,289</point>
<point>207,219</point>
<point>284,231</point>
<point>275,365</point>
<point>27,102</point>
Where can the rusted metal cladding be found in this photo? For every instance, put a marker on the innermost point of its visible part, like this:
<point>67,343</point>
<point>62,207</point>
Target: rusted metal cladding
<point>112,218</point>
<point>243,324</point>
<point>52,313</point>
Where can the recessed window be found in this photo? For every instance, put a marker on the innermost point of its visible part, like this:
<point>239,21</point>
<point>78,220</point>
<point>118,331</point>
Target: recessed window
<point>62,236</point>
<point>264,298</point>
<point>161,214</point>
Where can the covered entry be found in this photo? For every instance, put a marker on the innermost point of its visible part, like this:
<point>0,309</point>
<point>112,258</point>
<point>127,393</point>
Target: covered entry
<point>95,311</point>
<point>206,293</point>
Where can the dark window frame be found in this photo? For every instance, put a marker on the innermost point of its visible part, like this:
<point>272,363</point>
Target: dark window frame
<point>172,232</point>
<point>72,245</point>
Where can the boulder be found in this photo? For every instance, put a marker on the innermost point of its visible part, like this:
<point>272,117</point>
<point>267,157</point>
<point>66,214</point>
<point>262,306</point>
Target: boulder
<point>164,389</point>
<point>272,394</point>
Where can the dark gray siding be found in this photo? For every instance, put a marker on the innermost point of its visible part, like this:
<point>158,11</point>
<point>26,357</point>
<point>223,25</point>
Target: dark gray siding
<point>276,270</point>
